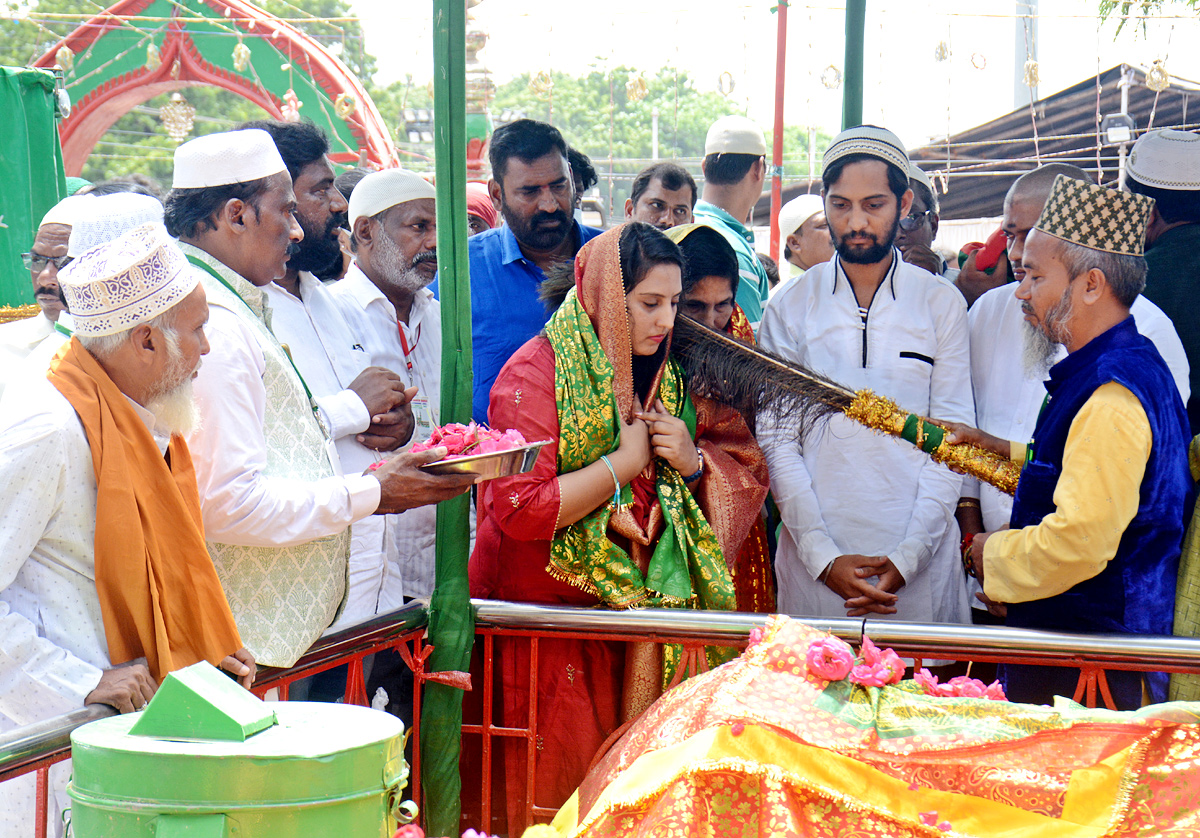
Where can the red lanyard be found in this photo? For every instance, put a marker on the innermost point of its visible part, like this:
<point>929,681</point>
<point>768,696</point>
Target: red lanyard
<point>404,343</point>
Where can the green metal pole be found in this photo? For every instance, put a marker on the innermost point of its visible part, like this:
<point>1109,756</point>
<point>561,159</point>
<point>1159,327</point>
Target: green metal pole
<point>451,622</point>
<point>852,81</point>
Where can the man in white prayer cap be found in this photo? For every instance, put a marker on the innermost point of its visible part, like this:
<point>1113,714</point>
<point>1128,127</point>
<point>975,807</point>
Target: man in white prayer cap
<point>97,220</point>
<point>45,258</point>
<point>105,582</point>
<point>277,509</point>
<point>804,233</point>
<point>385,299</point>
<point>1165,165</point>
<point>349,385</point>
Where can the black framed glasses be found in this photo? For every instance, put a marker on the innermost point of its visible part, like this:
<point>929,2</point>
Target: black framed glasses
<point>914,220</point>
<point>36,262</point>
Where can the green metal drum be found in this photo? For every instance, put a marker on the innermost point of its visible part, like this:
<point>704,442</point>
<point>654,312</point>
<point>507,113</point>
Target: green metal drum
<point>206,759</point>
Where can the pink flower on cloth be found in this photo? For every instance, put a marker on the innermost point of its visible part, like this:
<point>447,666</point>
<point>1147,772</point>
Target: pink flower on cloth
<point>756,635</point>
<point>959,686</point>
<point>409,830</point>
<point>830,658</point>
<point>879,667</point>
<point>931,819</point>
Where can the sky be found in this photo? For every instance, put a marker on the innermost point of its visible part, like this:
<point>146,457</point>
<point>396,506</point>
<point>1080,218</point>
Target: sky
<point>907,88</point>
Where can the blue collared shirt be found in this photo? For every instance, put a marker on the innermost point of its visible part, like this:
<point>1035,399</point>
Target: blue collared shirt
<point>505,309</point>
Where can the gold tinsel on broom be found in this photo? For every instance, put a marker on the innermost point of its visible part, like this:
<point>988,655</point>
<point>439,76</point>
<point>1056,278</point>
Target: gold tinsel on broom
<point>751,379</point>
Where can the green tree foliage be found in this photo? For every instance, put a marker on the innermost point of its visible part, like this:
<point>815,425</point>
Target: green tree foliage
<point>597,116</point>
<point>1124,10</point>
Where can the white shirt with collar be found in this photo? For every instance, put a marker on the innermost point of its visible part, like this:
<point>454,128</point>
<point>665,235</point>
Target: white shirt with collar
<point>845,489</point>
<point>18,339</point>
<point>372,318</point>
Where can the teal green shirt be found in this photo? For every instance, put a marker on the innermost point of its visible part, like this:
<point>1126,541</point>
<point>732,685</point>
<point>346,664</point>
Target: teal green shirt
<point>754,286</point>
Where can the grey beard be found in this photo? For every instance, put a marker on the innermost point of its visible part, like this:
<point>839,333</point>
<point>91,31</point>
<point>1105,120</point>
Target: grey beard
<point>389,261</point>
<point>1040,344</point>
<point>174,405</point>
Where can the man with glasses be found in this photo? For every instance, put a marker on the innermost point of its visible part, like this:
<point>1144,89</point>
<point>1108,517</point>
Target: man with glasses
<point>919,227</point>
<point>735,168</point>
<point>45,259</point>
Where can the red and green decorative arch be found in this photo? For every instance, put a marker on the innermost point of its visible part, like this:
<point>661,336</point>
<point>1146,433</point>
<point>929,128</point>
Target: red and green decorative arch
<point>138,49</point>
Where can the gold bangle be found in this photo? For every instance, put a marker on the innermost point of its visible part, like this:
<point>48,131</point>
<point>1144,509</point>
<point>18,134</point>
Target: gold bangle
<point>969,503</point>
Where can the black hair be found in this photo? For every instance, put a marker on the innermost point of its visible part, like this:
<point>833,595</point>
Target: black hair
<point>706,253</point>
<point>724,169</point>
<point>527,139</point>
<point>346,181</point>
<point>299,143</point>
<point>118,185</point>
<point>642,247</point>
<point>582,169</point>
<point>189,212</point>
<point>897,180</point>
<point>672,176</point>
<point>1174,205</point>
<point>770,267</point>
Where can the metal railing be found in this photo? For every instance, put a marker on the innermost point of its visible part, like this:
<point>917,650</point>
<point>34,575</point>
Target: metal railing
<point>35,748</point>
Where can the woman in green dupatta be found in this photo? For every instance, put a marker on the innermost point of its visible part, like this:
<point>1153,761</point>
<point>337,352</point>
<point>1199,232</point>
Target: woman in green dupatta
<point>643,491</point>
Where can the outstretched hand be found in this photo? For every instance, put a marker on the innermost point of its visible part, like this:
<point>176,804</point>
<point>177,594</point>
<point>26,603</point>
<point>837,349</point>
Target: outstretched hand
<point>965,434</point>
<point>404,485</point>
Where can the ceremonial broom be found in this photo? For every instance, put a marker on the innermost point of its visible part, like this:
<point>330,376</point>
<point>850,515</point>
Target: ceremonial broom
<point>751,380</point>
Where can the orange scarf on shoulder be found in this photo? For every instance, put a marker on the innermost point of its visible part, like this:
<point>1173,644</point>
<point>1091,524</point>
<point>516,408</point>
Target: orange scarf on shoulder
<point>159,593</point>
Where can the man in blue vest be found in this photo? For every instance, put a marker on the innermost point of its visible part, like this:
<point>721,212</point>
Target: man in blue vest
<point>1099,511</point>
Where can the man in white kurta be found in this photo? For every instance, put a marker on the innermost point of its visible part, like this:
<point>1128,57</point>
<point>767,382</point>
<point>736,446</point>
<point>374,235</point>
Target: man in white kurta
<point>276,507</point>
<point>845,492</point>
<point>384,299</point>
<point>348,390</point>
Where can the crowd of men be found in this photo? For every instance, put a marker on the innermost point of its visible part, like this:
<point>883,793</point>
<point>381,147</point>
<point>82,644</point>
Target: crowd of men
<point>204,433</point>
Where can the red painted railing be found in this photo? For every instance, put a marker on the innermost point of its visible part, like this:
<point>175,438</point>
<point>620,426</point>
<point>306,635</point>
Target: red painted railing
<point>35,748</point>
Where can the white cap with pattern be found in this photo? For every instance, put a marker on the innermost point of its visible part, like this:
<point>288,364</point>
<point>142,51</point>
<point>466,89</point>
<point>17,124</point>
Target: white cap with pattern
<point>383,190</point>
<point>872,141</point>
<point>225,158</point>
<point>110,216</point>
<point>796,211</point>
<point>132,279</point>
<point>1166,159</point>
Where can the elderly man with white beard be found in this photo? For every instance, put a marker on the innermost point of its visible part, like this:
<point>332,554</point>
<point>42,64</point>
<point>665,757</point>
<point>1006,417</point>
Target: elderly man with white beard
<point>105,581</point>
<point>1094,539</point>
<point>384,298</point>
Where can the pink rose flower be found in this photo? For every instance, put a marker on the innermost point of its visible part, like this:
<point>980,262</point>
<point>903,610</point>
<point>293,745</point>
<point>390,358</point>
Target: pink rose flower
<point>869,653</point>
<point>830,658</point>
<point>756,636</point>
<point>995,692</point>
<point>409,830</point>
<point>927,681</point>
<point>894,664</point>
<point>871,675</point>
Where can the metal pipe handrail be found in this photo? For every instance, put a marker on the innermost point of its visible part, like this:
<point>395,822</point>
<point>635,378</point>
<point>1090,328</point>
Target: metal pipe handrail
<point>27,745</point>
<point>1151,650</point>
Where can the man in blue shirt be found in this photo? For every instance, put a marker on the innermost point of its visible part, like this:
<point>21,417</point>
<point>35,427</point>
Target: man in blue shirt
<point>735,168</point>
<point>531,182</point>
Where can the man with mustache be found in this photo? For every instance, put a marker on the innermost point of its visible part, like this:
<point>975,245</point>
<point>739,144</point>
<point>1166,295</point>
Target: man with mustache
<point>663,194</point>
<point>105,582</point>
<point>46,256</point>
<point>363,403</point>
<point>532,184</point>
<point>1098,515</point>
<point>868,522</point>
<point>276,504</point>
<point>386,302</point>
<point>1008,391</point>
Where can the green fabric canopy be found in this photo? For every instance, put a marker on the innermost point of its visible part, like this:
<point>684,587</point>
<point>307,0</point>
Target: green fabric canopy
<point>31,169</point>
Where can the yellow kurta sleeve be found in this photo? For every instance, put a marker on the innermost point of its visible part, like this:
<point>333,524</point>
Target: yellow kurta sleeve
<point>1096,497</point>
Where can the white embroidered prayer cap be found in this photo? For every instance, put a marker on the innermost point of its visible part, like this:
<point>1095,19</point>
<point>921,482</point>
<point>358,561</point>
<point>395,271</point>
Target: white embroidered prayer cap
<point>67,210</point>
<point>132,279</point>
<point>1166,159</point>
<point>735,135</point>
<point>110,216</point>
<point>872,141</point>
<point>224,158</point>
<point>383,190</point>
<point>798,210</point>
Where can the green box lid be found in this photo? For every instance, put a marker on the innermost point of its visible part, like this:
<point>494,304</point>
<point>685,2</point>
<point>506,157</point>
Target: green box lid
<point>201,703</point>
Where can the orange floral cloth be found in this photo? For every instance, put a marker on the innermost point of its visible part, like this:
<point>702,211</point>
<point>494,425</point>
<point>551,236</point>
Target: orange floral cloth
<point>763,747</point>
